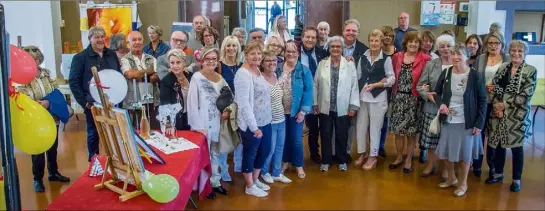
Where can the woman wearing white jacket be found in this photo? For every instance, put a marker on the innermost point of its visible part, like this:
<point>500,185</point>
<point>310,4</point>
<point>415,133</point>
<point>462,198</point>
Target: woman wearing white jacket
<point>336,99</point>
<point>279,29</point>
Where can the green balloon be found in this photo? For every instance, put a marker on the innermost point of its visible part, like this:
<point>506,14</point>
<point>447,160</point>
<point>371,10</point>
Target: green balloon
<point>162,188</point>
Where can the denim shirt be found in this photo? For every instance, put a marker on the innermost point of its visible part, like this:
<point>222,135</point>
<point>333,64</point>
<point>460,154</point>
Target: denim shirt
<point>301,86</point>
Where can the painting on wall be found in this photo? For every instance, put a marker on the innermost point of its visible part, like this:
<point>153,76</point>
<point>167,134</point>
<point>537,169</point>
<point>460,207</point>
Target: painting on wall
<point>430,13</point>
<point>113,20</point>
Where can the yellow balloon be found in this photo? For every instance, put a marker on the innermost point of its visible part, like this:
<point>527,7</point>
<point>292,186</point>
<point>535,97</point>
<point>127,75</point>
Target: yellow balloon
<point>33,128</point>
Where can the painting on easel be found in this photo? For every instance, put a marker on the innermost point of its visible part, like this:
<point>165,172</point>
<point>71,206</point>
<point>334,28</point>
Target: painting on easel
<point>123,118</point>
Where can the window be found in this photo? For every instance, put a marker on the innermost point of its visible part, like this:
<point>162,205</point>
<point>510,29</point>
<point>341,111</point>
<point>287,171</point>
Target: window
<point>263,13</point>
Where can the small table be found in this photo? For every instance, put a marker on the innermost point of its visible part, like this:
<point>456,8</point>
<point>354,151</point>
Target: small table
<point>191,168</point>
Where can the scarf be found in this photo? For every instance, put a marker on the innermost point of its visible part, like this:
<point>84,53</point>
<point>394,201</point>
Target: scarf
<point>311,61</point>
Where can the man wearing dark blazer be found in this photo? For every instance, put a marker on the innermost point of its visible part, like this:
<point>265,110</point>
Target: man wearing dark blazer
<point>311,57</point>
<point>353,50</point>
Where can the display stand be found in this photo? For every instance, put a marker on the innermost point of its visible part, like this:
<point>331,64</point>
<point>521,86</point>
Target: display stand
<point>120,160</point>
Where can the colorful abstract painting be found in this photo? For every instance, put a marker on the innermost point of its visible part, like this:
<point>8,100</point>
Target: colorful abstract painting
<point>113,20</point>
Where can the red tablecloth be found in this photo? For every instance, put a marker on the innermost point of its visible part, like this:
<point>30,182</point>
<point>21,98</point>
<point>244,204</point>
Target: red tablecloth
<point>191,168</point>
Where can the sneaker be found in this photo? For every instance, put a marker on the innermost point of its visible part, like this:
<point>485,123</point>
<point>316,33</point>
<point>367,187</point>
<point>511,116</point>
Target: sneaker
<point>267,178</point>
<point>255,191</point>
<point>343,167</point>
<point>281,178</point>
<point>261,185</point>
<point>324,167</point>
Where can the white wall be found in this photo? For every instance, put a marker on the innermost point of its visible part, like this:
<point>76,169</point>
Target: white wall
<point>538,61</point>
<point>38,22</point>
<point>481,15</point>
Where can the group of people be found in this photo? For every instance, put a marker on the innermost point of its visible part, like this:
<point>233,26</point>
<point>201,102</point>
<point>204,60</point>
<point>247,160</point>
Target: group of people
<point>252,96</point>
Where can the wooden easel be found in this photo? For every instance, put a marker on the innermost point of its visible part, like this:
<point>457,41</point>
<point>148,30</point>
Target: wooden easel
<point>115,164</point>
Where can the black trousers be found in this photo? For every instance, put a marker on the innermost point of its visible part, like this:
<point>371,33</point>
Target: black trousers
<point>341,124</point>
<point>496,160</point>
<point>38,161</point>
<point>478,163</point>
<point>313,133</point>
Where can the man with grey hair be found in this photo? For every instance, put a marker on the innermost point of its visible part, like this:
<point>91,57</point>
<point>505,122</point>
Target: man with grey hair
<point>241,34</point>
<point>257,34</point>
<point>402,29</point>
<point>95,55</point>
<point>178,40</point>
<point>199,23</point>
<point>494,27</point>
<point>353,51</point>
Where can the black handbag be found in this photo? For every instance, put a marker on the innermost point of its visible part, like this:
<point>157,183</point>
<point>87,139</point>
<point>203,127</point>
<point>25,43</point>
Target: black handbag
<point>225,99</point>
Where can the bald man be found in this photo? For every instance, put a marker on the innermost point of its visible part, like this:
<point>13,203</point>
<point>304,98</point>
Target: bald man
<point>199,22</point>
<point>178,40</point>
<point>402,28</point>
<point>138,67</point>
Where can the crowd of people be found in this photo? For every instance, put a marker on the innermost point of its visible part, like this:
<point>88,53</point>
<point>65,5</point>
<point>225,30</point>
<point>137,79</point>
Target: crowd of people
<point>252,95</point>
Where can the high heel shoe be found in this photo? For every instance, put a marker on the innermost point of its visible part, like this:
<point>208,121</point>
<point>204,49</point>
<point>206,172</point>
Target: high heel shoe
<point>395,165</point>
<point>447,184</point>
<point>361,160</point>
<point>370,166</point>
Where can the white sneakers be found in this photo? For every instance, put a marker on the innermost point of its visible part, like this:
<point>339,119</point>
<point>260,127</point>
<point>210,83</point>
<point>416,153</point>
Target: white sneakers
<point>267,178</point>
<point>281,178</point>
<point>261,185</point>
<point>255,191</point>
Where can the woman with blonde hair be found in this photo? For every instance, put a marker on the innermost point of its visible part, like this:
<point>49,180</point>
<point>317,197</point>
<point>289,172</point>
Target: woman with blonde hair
<point>278,124</point>
<point>230,62</point>
<point>203,113</point>
<point>280,29</point>
<point>254,118</point>
<point>275,45</point>
<point>175,86</point>
<point>156,46</point>
<point>373,67</point>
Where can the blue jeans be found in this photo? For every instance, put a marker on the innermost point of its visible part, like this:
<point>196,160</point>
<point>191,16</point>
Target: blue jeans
<point>293,148</point>
<point>224,167</point>
<point>237,157</point>
<point>92,134</point>
<point>383,133</point>
<point>255,150</point>
<point>278,137</point>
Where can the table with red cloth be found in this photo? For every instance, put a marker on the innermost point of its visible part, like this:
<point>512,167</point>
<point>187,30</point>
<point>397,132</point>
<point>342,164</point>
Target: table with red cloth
<point>191,168</point>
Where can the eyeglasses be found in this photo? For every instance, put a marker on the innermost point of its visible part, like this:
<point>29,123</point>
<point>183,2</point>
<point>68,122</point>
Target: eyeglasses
<point>493,43</point>
<point>31,49</point>
<point>210,60</point>
<point>178,41</point>
<point>270,61</point>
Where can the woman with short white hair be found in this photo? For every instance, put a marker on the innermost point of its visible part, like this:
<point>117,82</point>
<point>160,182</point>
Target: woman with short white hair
<point>323,34</point>
<point>425,87</point>
<point>156,47</point>
<point>336,100</point>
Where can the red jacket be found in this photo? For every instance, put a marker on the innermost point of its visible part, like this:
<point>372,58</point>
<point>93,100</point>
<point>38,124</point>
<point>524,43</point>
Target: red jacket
<point>418,66</point>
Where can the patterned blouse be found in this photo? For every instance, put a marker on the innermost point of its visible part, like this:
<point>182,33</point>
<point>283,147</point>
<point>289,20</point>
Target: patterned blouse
<point>334,84</point>
<point>40,87</point>
<point>262,99</point>
<point>285,79</point>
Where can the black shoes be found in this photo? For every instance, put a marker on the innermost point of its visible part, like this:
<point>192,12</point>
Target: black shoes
<point>39,186</point>
<point>220,190</point>
<point>492,179</point>
<point>515,187</point>
<point>316,158</point>
<point>211,195</point>
<point>57,177</point>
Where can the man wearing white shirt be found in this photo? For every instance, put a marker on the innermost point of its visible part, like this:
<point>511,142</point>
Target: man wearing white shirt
<point>140,71</point>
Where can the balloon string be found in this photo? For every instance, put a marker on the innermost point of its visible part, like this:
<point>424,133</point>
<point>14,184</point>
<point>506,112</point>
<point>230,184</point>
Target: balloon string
<point>99,85</point>
<point>13,93</point>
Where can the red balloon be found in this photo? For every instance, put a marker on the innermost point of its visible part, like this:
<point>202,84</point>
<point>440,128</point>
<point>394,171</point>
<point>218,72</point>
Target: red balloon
<point>23,67</point>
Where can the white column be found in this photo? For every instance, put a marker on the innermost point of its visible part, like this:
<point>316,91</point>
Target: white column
<point>38,23</point>
<point>481,15</point>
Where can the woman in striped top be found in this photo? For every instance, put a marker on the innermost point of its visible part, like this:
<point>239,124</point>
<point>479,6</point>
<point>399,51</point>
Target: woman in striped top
<point>268,66</point>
